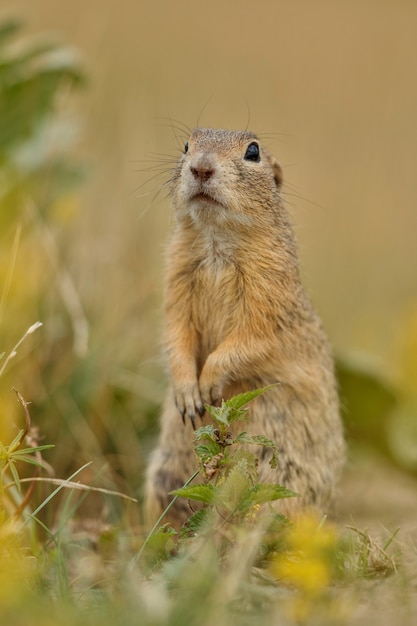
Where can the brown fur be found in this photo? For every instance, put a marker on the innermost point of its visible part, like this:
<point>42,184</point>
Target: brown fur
<point>237,318</point>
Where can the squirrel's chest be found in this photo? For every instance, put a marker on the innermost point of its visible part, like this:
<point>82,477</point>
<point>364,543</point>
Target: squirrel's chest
<point>216,302</point>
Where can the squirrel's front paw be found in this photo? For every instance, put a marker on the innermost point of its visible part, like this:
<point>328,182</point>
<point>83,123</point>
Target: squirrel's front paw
<point>188,401</point>
<point>210,388</point>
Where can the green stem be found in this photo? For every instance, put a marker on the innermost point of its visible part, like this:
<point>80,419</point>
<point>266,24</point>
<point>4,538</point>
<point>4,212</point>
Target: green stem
<point>53,494</point>
<point>159,520</point>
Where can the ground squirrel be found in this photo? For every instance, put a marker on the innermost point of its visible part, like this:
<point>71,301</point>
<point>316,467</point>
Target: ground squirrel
<point>238,318</point>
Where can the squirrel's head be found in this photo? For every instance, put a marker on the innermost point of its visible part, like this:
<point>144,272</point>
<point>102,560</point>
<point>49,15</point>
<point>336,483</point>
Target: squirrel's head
<point>225,177</point>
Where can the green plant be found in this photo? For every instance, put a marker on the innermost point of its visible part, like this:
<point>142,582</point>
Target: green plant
<point>229,467</point>
<point>231,495</point>
<point>12,497</point>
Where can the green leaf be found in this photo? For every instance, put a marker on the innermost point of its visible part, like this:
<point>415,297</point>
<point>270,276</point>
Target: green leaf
<point>46,446</point>
<point>159,546</point>
<point>30,459</point>
<point>232,410</point>
<point>213,411</point>
<point>265,492</point>
<point>195,523</point>
<point>208,449</point>
<point>237,402</point>
<point>261,493</point>
<point>16,442</point>
<point>15,475</point>
<point>219,414</point>
<point>201,493</point>
<point>246,462</point>
<point>204,432</point>
<point>260,440</point>
<point>236,486</point>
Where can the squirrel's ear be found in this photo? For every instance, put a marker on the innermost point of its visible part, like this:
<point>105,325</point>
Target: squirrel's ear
<point>278,173</point>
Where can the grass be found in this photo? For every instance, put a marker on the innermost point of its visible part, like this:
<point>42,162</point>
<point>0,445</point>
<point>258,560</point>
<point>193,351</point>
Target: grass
<point>236,561</point>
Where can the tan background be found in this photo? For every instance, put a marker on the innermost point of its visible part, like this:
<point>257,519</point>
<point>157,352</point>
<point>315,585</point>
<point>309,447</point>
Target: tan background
<point>332,84</point>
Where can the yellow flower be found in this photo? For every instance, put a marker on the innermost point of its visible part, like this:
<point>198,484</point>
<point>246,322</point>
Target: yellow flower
<point>307,562</point>
<point>307,574</point>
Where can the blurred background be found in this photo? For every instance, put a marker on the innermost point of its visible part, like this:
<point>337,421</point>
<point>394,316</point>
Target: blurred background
<point>95,102</point>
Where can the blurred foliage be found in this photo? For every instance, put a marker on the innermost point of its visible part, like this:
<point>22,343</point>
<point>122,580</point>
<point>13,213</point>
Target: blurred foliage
<point>33,139</point>
<point>367,403</point>
<point>36,173</point>
<point>379,414</point>
<point>38,183</point>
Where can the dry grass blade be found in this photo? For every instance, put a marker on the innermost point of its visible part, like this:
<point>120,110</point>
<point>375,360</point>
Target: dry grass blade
<point>26,411</point>
<point>69,484</point>
<point>372,558</point>
<point>13,352</point>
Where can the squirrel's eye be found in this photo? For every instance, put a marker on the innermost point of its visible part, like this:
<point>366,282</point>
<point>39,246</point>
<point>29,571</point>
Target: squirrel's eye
<point>186,147</point>
<point>252,152</point>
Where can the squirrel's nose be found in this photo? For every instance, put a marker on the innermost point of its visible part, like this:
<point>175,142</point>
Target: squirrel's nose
<point>202,167</point>
<point>202,173</point>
